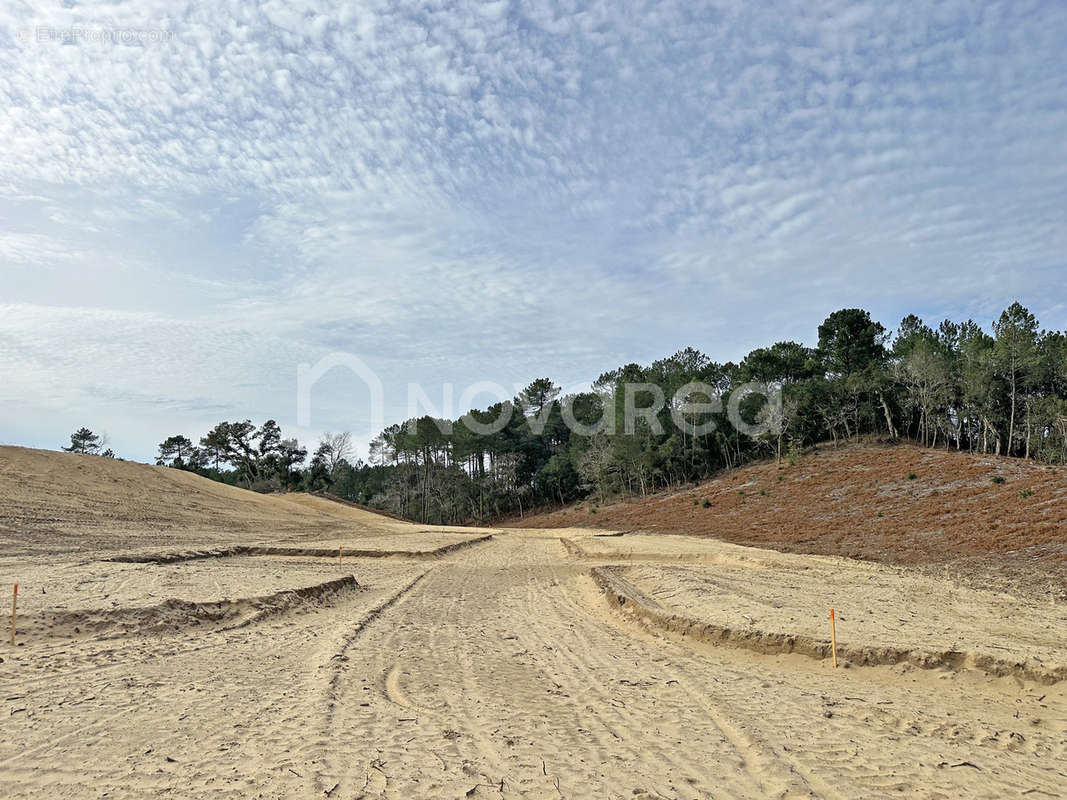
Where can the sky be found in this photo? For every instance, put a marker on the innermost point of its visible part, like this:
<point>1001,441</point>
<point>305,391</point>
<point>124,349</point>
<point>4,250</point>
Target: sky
<point>196,198</point>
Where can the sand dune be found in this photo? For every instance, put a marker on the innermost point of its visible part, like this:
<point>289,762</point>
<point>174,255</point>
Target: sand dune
<point>53,503</point>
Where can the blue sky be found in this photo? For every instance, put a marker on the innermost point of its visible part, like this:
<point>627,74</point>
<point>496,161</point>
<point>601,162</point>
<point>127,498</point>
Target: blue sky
<point>496,191</point>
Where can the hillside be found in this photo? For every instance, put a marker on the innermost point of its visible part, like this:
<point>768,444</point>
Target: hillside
<point>63,502</point>
<point>859,501</point>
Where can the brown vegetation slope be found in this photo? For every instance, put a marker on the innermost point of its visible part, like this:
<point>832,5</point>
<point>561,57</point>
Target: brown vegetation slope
<point>860,501</point>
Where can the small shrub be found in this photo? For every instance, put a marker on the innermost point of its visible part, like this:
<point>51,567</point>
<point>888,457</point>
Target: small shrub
<point>912,476</point>
<point>779,477</point>
<point>998,479</point>
<point>793,454</point>
<point>695,501</point>
<point>707,503</point>
<point>762,492</point>
<point>1027,492</point>
<point>592,510</point>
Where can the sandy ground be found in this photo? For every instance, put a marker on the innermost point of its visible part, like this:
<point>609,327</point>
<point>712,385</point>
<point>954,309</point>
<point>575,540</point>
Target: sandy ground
<point>875,605</point>
<point>102,585</point>
<point>505,669</point>
<point>501,671</point>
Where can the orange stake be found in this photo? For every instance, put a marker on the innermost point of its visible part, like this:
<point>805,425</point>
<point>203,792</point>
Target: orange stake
<point>833,637</point>
<point>14,605</point>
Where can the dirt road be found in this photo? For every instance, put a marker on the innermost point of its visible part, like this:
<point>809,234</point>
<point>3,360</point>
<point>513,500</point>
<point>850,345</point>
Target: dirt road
<point>501,671</point>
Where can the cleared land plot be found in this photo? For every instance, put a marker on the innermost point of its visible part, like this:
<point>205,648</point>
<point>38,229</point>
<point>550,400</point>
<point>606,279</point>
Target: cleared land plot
<point>502,671</point>
<point>102,585</point>
<point>989,520</point>
<point>360,548</point>
<point>420,541</point>
<point>764,594</point>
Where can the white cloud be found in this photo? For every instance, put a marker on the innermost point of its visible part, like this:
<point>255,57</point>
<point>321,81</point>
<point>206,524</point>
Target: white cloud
<point>497,190</point>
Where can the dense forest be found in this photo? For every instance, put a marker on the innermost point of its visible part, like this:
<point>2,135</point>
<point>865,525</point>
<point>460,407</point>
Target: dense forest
<point>953,386</point>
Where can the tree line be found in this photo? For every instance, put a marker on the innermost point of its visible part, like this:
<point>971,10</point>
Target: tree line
<point>253,457</point>
<point>952,386</point>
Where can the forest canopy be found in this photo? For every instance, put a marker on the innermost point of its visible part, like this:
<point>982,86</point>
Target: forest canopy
<point>953,385</point>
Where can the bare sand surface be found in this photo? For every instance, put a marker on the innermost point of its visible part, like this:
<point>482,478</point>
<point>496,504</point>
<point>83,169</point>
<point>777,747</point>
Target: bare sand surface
<point>413,541</point>
<point>102,585</point>
<point>876,606</point>
<point>53,504</point>
<point>502,671</point>
<point>535,664</point>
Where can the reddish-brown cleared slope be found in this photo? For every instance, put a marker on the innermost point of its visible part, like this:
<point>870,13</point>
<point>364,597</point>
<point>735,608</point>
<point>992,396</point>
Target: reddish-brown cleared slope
<point>860,501</point>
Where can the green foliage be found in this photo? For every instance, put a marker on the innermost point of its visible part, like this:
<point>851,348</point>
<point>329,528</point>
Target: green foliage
<point>998,479</point>
<point>850,342</point>
<point>537,395</point>
<point>793,454</point>
<point>952,385</point>
<point>784,362</point>
<point>84,440</point>
<point>174,450</point>
<point>259,458</point>
<point>1027,492</point>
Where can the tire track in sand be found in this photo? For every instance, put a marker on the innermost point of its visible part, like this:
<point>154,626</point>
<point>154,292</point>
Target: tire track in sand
<point>331,778</point>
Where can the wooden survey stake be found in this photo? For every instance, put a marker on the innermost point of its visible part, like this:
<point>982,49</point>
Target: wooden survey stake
<point>14,606</point>
<point>833,637</point>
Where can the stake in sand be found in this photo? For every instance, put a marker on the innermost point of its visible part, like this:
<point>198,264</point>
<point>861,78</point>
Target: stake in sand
<point>833,637</point>
<point>14,605</point>
<point>338,554</point>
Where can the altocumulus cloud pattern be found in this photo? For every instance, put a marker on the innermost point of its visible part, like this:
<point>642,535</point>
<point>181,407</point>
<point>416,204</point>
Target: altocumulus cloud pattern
<point>220,192</point>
